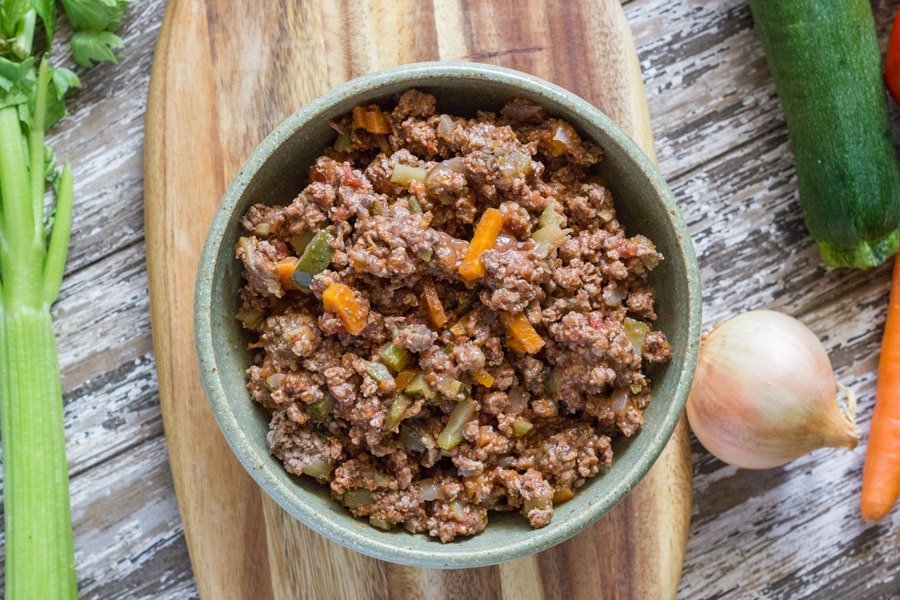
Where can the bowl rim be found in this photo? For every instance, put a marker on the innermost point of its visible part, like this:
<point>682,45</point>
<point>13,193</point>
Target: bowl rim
<point>258,467</point>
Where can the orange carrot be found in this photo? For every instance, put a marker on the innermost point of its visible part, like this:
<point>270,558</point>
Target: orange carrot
<point>403,378</point>
<point>483,377</point>
<point>372,119</point>
<point>485,237</point>
<point>881,474</point>
<point>285,269</point>
<point>522,336</point>
<point>340,300</point>
<point>433,305</point>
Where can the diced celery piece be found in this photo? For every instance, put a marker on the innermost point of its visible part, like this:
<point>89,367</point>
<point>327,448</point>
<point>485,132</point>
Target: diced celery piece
<point>636,332</point>
<point>412,439</point>
<point>381,523</point>
<point>315,258</point>
<point>403,174</point>
<point>414,206</point>
<point>449,387</point>
<point>380,374</point>
<point>550,217</point>
<point>394,356</point>
<point>317,468</point>
<point>419,387</point>
<point>521,426</point>
<point>452,434</point>
<point>397,411</point>
<point>320,409</point>
<point>357,497</point>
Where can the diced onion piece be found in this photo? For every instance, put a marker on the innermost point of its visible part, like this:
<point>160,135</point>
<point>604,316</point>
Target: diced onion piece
<point>514,164</point>
<point>522,336</point>
<point>636,332</point>
<point>434,306</point>
<point>372,119</point>
<point>452,434</point>
<point>486,232</point>
<point>429,490</point>
<point>404,174</point>
<point>518,400</point>
<point>564,139</point>
<point>339,299</point>
<point>444,127</point>
<point>549,234</point>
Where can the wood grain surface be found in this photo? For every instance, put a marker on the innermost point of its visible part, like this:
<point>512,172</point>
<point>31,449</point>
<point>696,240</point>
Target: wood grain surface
<point>792,532</point>
<point>214,79</point>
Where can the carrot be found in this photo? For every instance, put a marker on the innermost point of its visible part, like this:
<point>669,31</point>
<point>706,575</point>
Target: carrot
<point>892,61</point>
<point>285,270</point>
<point>881,474</point>
<point>433,305</point>
<point>522,336</point>
<point>483,377</point>
<point>372,119</point>
<point>340,300</point>
<point>485,237</point>
<point>403,378</point>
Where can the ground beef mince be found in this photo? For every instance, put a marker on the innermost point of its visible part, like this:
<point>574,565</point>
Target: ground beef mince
<point>449,319</point>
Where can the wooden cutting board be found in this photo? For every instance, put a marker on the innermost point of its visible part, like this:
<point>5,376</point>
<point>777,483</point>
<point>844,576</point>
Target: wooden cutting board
<point>226,72</point>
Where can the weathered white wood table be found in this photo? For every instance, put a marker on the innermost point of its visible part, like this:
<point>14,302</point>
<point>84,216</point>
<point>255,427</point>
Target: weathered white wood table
<point>784,533</point>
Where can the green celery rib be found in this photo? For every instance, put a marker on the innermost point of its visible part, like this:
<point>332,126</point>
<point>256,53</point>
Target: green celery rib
<point>58,248</point>
<point>39,551</point>
<point>36,145</point>
<point>22,260</point>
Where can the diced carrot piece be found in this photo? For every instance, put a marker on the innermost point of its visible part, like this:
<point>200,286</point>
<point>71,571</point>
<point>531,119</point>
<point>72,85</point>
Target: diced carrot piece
<point>433,306</point>
<point>522,336</point>
<point>485,237</point>
<point>459,328</point>
<point>285,269</point>
<point>340,300</point>
<point>403,378</point>
<point>483,377</point>
<point>372,119</point>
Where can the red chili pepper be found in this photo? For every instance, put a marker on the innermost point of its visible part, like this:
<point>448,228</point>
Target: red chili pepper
<point>892,61</point>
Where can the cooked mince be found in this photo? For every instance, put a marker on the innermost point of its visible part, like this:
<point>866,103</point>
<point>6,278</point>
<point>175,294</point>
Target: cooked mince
<point>449,318</point>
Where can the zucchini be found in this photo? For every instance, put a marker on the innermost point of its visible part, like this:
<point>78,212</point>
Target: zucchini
<point>827,69</point>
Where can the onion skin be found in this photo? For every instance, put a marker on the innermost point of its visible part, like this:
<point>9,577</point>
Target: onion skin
<point>764,393</point>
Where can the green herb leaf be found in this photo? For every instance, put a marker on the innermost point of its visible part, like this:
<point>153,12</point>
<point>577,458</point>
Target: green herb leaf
<point>16,81</point>
<point>46,10</point>
<point>61,82</point>
<point>89,47</point>
<point>95,15</point>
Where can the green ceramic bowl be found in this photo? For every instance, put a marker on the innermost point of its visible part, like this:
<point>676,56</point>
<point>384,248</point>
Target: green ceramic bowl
<point>275,173</point>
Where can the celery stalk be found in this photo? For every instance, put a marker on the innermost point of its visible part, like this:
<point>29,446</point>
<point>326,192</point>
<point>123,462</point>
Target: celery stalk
<point>40,562</point>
